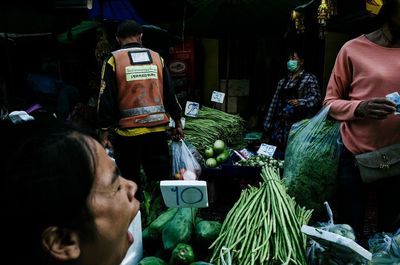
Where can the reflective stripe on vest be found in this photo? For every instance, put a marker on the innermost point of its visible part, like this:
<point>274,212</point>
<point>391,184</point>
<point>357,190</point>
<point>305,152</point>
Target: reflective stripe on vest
<point>140,89</point>
<point>141,111</point>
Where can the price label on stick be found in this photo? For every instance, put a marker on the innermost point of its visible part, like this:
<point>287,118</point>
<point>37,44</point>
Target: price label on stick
<point>217,97</point>
<point>184,193</point>
<point>192,109</point>
<point>266,149</point>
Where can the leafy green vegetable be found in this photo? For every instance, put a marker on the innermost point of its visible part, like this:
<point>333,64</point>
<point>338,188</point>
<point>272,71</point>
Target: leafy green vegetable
<point>211,125</point>
<point>152,204</point>
<point>311,161</point>
<point>343,230</point>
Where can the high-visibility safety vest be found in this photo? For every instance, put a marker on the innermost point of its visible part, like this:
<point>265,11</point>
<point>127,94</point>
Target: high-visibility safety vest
<point>140,88</point>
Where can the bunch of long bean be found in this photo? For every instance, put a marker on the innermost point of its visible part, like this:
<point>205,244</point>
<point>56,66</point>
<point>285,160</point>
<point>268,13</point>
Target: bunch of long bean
<point>263,227</point>
<point>212,124</point>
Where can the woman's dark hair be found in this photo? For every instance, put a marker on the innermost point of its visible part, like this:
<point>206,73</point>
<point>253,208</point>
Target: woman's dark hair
<point>387,10</point>
<point>299,53</point>
<point>128,28</point>
<point>47,171</point>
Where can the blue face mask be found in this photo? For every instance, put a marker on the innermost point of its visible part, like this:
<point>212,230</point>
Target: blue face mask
<point>292,65</point>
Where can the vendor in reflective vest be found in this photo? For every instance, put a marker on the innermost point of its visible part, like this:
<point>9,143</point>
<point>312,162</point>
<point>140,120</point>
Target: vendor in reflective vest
<point>136,101</point>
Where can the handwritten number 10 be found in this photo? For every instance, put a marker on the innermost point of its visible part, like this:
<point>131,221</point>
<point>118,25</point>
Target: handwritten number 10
<point>180,195</point>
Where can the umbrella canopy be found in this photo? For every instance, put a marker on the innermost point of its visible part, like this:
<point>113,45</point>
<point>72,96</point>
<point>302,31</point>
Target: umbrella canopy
<point>116,10</point>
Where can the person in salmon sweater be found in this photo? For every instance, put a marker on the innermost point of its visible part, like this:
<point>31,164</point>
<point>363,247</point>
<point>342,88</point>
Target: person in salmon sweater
<point>366,70</point>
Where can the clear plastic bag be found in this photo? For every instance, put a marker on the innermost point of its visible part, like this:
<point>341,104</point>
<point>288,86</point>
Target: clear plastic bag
<point>385,248</point>
<point>311,160</point>
<point>334,252</point>
<point>184,164</point>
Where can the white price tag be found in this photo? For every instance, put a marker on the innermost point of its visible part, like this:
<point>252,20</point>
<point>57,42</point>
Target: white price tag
<point>266,149</point>
<point>246,153</point>
<point>192,109</point>
<point>217,97</point>
<point>184,193</point>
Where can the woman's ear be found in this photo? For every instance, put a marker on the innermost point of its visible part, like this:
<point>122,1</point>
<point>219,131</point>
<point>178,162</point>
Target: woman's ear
<point>62,244</point>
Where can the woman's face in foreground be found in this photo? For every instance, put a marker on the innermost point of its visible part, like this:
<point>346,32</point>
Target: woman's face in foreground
<point>113,205</point>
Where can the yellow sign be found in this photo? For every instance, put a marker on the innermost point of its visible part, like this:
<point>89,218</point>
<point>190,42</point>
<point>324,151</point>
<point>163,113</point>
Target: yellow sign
<point>373,6</point>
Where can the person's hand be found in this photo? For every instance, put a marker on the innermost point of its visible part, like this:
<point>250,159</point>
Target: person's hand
<point>177,134</point>
<point>376,108</point>
<point>104,141</point>
<point>294,102</point>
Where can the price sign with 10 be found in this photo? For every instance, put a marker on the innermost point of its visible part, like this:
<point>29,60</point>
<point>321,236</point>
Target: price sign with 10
<point>184,193</point>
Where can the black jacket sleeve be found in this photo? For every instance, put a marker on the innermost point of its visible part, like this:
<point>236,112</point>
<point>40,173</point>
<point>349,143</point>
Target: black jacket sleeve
<point>107,109</point>
<point>170,101</point>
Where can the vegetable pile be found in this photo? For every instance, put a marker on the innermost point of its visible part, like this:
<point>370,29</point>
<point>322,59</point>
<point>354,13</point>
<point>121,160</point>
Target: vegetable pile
<point>259,161</point>
<point>176,235</point>
<point>263,227</point>
<point>210,125</point>
<point>216,154</point>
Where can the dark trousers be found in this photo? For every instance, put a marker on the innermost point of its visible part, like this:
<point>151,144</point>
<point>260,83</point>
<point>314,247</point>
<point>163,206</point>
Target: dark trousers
<point>148,150</point>
<point>353,195</point>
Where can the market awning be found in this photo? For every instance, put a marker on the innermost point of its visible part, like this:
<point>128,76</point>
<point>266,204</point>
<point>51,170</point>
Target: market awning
<point>240,18</point>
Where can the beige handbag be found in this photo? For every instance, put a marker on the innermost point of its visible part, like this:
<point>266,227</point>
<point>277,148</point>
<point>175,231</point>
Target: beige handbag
<point>379,164</point>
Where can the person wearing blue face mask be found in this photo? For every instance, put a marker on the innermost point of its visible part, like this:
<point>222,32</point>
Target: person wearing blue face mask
<point>297,97</point>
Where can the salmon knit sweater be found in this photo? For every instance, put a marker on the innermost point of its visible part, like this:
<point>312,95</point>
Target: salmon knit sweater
<point>364,70</point>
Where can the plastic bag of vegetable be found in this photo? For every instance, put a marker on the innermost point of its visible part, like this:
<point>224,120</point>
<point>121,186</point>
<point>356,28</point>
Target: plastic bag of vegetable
<point>385,248</point>
<point>334,244</point>
<point>311,160</point>
<point>199,158</point>
<point>184,164</point>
